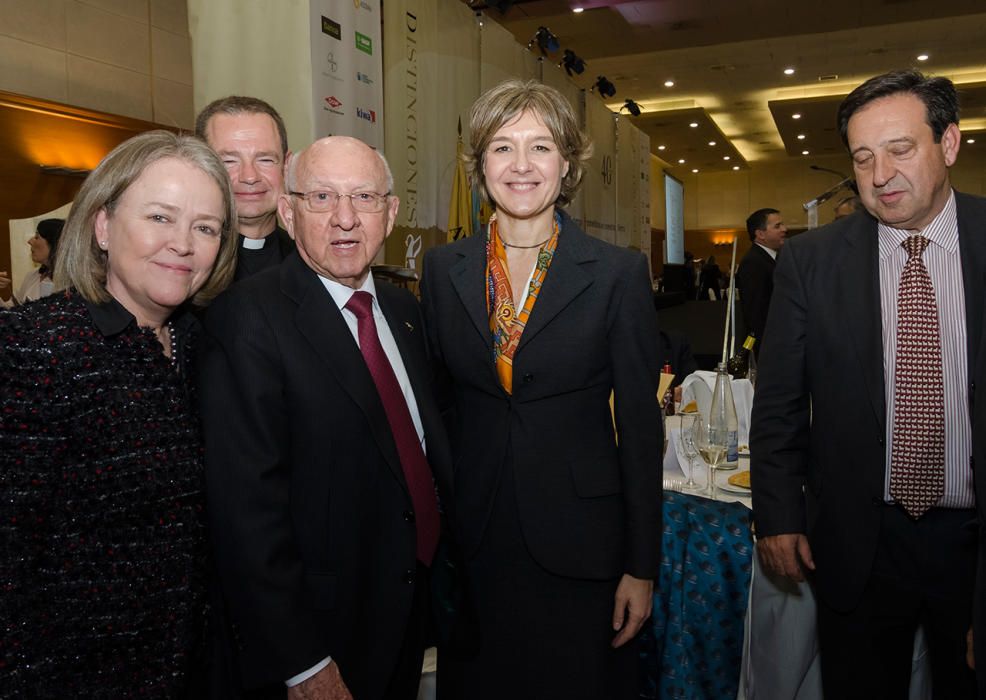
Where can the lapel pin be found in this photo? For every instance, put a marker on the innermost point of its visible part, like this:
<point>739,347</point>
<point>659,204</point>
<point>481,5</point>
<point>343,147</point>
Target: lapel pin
<point>409,326</point>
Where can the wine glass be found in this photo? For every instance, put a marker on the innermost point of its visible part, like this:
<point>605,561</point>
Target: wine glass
<point>711,440</point>
<point>686,438</point>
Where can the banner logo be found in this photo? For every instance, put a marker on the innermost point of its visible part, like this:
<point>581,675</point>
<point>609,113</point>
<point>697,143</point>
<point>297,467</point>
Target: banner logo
<point>364,78</point>
<point>366,114</point>
<point>364,43</point>
<point>333,29</point>
<point>332,104</point>
<point>333,64</point>
<point>362,4</point>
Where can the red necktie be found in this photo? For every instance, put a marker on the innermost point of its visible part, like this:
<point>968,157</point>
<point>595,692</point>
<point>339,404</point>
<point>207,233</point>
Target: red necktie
<point>417,472</point>
<point>917,460</point>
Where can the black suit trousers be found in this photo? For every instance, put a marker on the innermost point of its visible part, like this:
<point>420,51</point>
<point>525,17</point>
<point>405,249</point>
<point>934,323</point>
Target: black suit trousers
<point>922,575</point>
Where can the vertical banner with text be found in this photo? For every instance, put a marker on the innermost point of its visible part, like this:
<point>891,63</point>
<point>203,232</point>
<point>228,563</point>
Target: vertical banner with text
<point>347,76</point>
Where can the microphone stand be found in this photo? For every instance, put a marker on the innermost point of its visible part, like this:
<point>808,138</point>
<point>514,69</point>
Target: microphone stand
<point>827,194</point>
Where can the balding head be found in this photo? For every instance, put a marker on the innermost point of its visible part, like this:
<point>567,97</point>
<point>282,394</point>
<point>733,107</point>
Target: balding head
<point>342,226</point>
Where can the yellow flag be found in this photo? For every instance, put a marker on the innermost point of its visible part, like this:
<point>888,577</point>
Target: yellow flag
<point>460,205</point>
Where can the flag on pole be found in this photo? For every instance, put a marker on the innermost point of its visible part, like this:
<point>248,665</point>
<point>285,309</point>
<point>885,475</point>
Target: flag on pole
<point>460,209</point>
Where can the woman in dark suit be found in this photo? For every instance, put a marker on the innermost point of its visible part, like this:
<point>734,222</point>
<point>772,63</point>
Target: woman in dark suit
<point>535,325</point>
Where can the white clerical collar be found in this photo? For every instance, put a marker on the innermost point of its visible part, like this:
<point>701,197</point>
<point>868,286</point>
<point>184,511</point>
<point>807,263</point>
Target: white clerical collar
<point>254,243</point>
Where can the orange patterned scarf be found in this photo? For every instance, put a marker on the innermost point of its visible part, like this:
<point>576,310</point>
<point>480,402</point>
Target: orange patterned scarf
<point>506,324</point>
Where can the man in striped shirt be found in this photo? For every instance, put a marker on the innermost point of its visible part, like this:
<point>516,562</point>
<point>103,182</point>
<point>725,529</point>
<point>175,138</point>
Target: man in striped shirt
<point>861,437</point>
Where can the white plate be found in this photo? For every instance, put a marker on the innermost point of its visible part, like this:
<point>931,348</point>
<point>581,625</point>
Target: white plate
<point>726,487</point>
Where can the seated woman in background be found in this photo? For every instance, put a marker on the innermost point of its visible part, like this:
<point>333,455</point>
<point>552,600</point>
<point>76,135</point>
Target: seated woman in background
<point>37,283</point>
<point>102,542</point>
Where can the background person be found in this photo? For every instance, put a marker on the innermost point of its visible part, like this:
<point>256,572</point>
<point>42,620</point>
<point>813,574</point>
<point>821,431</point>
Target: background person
<point>559,525</point>
<point>37,283</point>
<point>102,538</point>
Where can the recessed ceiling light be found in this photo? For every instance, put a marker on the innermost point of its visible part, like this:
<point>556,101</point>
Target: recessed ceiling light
<point>801,137</point>
<point>661,147</point>
<point>693,125</point>
<point>804,153</point>
<point>578,10</point>
<point>735,167</point>
<point>788,71</point>
<point>725,157</point>
<point>923,57</point>
<point>970,140</point>
<point>694,170</point>
<point>796,115</point>
<point>668,83</point>
<point>681,161</point>
<point>712,143</point>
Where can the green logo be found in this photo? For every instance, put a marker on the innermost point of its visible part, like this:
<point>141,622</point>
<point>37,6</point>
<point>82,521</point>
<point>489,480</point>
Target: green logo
<point>364,43</point>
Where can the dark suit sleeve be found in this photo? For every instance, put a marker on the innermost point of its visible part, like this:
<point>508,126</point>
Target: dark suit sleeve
<point>634,349</point>
<point>247,444</point>
<point>755,280</point>
<point>782,407</point>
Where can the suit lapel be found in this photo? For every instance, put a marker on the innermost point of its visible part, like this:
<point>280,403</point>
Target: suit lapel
<point>320,321</point>
<point>468,278</point>
<point>566,279</point>
<point>972,249</point>
<point>860,305</point>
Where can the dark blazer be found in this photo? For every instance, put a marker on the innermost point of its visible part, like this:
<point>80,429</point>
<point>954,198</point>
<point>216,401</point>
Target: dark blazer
<point>310,513</point>
<point>755,281</point>
<point>819,412</point>
<point>588,508</point>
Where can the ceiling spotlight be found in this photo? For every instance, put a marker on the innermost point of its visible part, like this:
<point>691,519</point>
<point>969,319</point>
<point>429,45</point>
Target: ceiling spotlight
<point>788,71</point>
<point>923,57</point>
<point>725,157</point>
<point>632,107</point>
<point>796,115</point>
<point>694,170</point>
<point>694,125</point>
<point>668,83</point>
<point>804,153</point>
<point>681,161</point>
<point>545,40</point>
<point>801,137</point>
<point>661,147</point>
<point>572,63</point>
<point>735,167</point>
<point>578,10</point>
<point>605,88</point>
<point>970,140</point>
<point>712,143</point>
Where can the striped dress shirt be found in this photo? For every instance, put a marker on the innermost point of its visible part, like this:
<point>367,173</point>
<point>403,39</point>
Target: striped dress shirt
<point>942,258</point>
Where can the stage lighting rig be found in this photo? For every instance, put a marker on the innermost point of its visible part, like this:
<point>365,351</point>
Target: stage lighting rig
<point>632,107</point>
<point>572,63</point>
<point>545,40</point>
<point>604,87</point>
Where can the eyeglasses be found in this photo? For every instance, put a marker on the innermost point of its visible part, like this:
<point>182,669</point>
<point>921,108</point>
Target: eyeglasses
<point>326,200</point>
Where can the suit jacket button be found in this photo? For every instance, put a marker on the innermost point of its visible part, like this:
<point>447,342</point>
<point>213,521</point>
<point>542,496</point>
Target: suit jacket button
<point>409,516</point>
<point>409,576</point>
<point>528,378</point>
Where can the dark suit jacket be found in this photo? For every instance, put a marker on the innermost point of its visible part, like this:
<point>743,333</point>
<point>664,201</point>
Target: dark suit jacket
<point>588,508</point>
<point>755,280</point>
<point>819,412</point>
<point>308,505</point>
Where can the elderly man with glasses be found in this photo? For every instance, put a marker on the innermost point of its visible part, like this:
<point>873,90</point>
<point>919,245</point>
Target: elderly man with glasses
<point>323,440</point>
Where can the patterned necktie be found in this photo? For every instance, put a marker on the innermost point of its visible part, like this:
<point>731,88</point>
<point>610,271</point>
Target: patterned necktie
<point>417,472</point>
<point>917,460</point>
